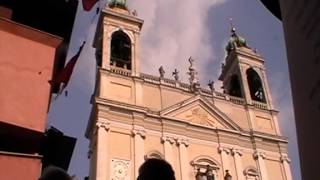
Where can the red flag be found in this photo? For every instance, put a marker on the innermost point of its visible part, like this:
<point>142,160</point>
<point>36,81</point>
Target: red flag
<point>65,74</point>
<point>88,4</point>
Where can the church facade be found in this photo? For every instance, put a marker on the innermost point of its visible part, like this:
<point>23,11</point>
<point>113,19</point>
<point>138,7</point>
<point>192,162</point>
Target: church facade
<point>202,133</point>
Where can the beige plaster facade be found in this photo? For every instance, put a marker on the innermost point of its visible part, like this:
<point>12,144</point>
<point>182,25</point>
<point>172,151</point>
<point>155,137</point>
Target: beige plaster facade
<point>136,116</point>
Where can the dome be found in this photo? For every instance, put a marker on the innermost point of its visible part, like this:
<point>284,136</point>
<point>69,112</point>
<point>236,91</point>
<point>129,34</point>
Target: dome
<point>235,41</point>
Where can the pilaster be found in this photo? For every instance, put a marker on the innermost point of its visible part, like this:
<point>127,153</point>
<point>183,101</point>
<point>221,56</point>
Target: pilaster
<point>285,163</point>
<point>101,131</point>
<point>168,148</point>
<point>224,158</point>
<point>139,136</point>
<point>260,157</point>
<point>183,153</point>
<point>236,153</point>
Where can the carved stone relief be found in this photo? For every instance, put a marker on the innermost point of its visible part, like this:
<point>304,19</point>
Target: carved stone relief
<point>120,169</point>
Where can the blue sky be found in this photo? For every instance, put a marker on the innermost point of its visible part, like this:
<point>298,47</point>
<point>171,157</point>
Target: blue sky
<point>173,31</point>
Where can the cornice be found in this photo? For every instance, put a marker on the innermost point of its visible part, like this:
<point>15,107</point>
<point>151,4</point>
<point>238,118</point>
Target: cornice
<point>109,12</point>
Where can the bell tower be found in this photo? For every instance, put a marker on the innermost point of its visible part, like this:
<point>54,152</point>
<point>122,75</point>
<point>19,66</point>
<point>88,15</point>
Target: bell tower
<point>243,73</point>
<point>117,39</point>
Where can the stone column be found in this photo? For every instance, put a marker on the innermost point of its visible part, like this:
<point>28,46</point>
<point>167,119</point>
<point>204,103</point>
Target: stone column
<point>259,157</point>
<point>168,151</point>
<point>183,154</point>
<point>238,163</point>
<point>225,160</point>
<point>101,131</point>
<point>139,136</point>
<point>285,163</point>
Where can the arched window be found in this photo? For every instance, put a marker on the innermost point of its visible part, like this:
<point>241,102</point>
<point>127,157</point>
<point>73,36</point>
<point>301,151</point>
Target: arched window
<point>251,173</point>
<point>205,168</point>
<point>153,155</point>
<point>235,87</point>
<point>255,86</point>
<point>120,50</point>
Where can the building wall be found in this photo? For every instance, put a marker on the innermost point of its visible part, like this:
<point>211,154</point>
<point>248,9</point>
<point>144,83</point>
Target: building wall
<point>125,146</point>
<point>19,167</point>
<point>26,64</point>
<point>301,27</point>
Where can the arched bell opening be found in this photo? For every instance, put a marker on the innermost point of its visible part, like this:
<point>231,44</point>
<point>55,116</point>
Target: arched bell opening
<point>235,87</point>
<point>255,86</point>
<point>120,50</point>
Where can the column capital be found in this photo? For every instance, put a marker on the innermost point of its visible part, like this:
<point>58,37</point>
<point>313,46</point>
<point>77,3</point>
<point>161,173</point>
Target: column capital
<point>140,132</point>
<point>224,149</point>
<point>257,155</point>
<point>285,158</point>
<point>184,142</point>
<point>236,152</point>
<point>103,125</point>
<point>169,139</point>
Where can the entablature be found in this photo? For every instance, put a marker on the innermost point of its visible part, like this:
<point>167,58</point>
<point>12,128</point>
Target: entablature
<point>128,114</point>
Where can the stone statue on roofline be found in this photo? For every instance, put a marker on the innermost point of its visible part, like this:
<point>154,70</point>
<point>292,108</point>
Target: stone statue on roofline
<point>193,79</point>
<point>161,72</point>
<point>211,85</point>
<point>175,74</point>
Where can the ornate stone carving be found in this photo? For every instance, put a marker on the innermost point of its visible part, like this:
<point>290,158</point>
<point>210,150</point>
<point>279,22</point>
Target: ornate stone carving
<point>251,173</point>
<point>169,139</point>
<point>104,125</point>
<point>153,155</point>
<point>194,81</point>
<point>211,85</point>
<point>161,72</point>
<point>184,142</point>
<point>120,169</point>
<point>140,132</point>
<point>200,116</point>
<point>285,158</point>
<point>236,152</point>
<point>258,154</point>
<point>224,149</point>
<point>175,74</point>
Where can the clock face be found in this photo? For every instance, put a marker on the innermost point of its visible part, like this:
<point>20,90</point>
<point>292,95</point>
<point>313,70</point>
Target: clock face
<point>120,169</point>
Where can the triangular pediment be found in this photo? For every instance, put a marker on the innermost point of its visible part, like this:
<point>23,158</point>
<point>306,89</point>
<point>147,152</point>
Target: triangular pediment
<point>199,111</point>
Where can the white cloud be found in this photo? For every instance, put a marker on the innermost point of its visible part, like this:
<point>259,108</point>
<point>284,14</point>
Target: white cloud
<point>173,31</point>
